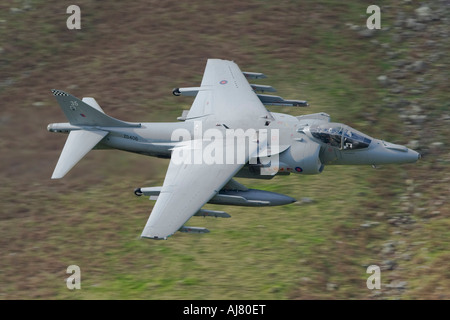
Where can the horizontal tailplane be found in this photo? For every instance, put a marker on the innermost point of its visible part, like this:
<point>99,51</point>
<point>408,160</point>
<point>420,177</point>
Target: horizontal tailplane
<point>78,144</point>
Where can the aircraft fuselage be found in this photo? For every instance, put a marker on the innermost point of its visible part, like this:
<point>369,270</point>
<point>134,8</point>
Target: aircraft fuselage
<point>305,143</point>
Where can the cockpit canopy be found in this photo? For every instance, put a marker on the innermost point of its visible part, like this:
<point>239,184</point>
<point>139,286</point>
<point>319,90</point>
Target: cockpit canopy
<point>340,136</point>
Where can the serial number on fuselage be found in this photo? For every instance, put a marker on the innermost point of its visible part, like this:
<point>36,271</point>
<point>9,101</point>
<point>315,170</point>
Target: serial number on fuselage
<point>126,136</point>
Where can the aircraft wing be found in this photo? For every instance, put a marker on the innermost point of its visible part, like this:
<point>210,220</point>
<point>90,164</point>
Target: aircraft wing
<point>187,187</point>
<point>224,97</point>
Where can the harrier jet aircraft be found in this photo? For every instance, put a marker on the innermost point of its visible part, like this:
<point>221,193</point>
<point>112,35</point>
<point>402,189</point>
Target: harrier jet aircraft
<point>228,132</point>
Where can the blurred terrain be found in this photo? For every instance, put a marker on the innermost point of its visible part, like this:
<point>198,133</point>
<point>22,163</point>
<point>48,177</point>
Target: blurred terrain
<point>390,83</point>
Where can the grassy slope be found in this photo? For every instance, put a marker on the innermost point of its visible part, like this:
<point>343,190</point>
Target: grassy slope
<point>129,56</point>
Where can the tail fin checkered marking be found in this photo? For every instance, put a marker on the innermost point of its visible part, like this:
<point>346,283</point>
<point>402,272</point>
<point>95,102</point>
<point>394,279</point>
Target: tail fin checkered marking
<point>59,93</point>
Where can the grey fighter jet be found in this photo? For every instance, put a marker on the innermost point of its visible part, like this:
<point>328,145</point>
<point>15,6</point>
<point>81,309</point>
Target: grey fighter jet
<point>228,132</point>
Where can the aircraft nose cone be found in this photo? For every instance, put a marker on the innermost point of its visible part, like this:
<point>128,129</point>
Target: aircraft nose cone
<point>414,155</point>
<point>395,153</point>
<point>410,156</point>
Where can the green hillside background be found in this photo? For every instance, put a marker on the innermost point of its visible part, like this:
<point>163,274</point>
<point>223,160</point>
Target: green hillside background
<point>390,83</point>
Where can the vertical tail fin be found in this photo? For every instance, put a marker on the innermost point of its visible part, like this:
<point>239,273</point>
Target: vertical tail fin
<point>83,114</point>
